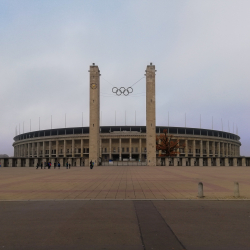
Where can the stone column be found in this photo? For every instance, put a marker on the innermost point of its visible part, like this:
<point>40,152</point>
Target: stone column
<point>43,149</point>
<point>194,149</point>
<point>213,148</point>
<point>186,148</point>
<point>82,148</point>
<point>243,162</point>
<point>94,121</point>
<point>223,149</point>
<point>100,152</point>
<point>167,162</point>
<point>130,153</point>
<point>183,162</point>
<point>227,150</point>
<point>120,149</point>
<point>207,148</point>
<point>218,148</point>
<point>201,149</point>
<point>18,164</point>
<point>110,147</point>
<point>10,162</point>
<point>50,149</point>
<point>57,148</point>
<point>73,147</point>
<point>77,161</point>
<point>209,162</point>
<point>71,161</point>
<point>226,162</point>
<point>201,162</point>
<point>175,161</point>
<point>140,149</point>
<point>52,162</point>
<point>35,162</point>
<point>27,162</point>
<point>32,149</point>
<point>25,150</point>
<point>217,161</point>
<point>64,148</point>
<point>61,161</point>
<point>192,162</point>
<point>28,150</point>
<point>235,162</point>
<point>38,149</point>
<point>150,115</point>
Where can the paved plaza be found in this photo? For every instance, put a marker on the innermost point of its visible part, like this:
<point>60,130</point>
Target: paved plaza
<point>122,182</point>
<point>124,208</point>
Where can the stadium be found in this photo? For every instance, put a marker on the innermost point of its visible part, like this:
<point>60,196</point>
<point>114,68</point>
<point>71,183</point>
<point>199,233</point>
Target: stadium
<point>121,145</point>
<point>125,145</point>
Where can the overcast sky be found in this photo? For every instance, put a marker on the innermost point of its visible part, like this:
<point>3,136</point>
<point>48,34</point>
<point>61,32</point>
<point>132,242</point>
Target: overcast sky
<point>201,50</point>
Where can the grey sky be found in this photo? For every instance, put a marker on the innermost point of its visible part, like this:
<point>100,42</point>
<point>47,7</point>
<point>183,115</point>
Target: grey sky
<point>200,49</point>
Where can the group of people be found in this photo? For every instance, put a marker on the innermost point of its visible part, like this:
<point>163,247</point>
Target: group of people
<point>48,164</point>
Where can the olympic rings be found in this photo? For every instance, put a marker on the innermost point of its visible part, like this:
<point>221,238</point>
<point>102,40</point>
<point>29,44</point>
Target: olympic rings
<point>122,90</point>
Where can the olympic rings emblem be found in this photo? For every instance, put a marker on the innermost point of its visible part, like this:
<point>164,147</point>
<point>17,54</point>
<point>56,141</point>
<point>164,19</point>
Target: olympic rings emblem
<point>122,90</point>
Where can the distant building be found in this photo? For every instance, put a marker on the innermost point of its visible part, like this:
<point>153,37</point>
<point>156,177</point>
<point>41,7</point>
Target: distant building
<point>4,156</point>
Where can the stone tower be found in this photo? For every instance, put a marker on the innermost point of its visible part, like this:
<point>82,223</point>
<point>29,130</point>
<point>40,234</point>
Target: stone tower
<point>94,114</point>
<point>150,115</point>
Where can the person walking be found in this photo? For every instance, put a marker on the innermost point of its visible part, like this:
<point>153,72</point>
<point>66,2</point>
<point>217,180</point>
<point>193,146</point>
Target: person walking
<point>37,165</point>
<point>90,164</point>
<point>54,165</point>
<point>41,165</point>
<point>69,165</point>
<point>59,165</point>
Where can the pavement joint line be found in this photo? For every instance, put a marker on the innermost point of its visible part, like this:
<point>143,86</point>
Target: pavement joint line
<point>130,200</point>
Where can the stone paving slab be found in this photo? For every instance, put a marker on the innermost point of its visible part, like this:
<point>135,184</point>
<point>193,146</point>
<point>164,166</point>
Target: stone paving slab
<point>127,224</point>
<point>206,225</point>
<point>122,182</point>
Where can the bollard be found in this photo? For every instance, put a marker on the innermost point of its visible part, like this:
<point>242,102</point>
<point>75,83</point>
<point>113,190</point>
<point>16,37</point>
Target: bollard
<point>236,189</point>
<point>200,190</point>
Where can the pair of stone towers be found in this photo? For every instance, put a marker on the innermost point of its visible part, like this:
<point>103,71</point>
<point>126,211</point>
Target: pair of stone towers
<point>94,119</point>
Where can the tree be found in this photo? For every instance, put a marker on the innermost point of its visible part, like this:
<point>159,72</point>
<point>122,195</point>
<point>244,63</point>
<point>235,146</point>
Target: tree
<point>167,145</point>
